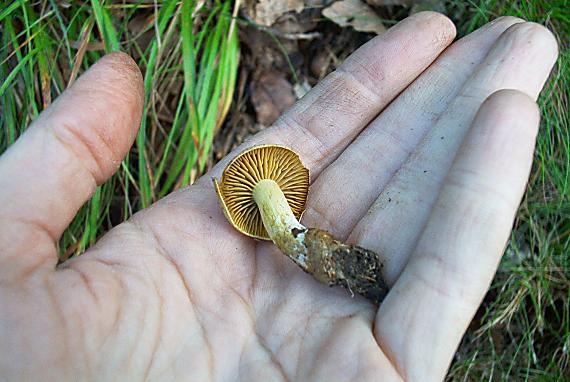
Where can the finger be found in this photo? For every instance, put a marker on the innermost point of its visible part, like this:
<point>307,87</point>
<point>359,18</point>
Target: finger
<point>365,167</point>
<point>521,59</point>
<point>421,322</point>
<point>323,122</point>
<point>56,165</point>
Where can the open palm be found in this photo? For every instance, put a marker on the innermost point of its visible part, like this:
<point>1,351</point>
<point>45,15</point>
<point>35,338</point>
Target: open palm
<point>406,159</point>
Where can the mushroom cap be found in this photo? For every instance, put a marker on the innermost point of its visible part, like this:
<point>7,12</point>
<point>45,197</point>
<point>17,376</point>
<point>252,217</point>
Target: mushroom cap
<point>235,188</point>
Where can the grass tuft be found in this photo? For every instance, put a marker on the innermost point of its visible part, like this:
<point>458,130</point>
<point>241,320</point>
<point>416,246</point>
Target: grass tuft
<point>188,52</point>
<point>522,331</point>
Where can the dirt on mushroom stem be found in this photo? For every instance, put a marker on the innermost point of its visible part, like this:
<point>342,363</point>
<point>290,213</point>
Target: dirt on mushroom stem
<point>335,263</point>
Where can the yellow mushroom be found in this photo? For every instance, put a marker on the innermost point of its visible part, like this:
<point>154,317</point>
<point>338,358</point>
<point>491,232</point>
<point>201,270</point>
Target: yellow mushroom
<point>263,192</point>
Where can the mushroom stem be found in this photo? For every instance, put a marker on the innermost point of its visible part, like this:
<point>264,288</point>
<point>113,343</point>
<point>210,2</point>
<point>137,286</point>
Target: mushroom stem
<point>279,222</point>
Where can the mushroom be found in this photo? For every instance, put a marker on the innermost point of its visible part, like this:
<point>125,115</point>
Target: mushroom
<point>263,192</point>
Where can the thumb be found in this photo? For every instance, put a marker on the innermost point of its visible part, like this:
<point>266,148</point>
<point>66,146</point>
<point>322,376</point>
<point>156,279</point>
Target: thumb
<point>53,169</point>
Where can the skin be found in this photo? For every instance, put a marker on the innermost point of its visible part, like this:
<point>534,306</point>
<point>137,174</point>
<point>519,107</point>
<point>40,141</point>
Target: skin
<point>427,156</point>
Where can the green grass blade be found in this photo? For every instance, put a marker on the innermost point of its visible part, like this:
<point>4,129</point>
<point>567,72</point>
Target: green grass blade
<point>8,10</point>
<point>105,26</point>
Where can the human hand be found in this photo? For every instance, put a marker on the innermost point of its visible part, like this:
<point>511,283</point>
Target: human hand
<point>399,164</point>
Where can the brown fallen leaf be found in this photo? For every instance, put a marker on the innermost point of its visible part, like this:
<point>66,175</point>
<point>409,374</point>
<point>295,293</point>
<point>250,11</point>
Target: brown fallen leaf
<point>271,95</point>
<point>267,11</point>
<point>356,14</point>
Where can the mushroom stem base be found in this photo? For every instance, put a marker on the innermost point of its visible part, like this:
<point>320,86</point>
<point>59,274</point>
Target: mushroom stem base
<point>333,262</point>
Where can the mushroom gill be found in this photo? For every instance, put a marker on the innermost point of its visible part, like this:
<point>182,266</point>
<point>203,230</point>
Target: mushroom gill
<point>243,173</point>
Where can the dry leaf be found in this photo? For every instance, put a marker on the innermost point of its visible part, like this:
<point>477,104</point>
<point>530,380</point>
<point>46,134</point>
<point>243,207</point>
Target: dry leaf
<point>267,11</point>
<point>356,14</point>
<point>271,95</point>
